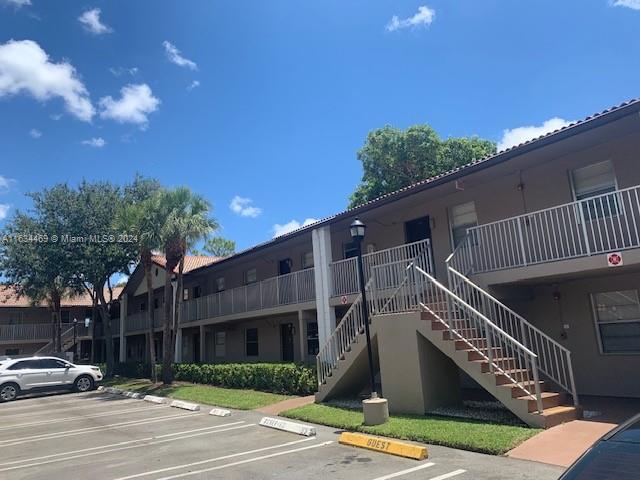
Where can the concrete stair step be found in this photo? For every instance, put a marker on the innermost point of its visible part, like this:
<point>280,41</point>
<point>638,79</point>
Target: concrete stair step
<point>561,414</point>
<point>476,342</point>
<point>549,400</point>
<point>465,332</point>
<point>475,355</point>
<point>517,390</point>
<point>518,374</point>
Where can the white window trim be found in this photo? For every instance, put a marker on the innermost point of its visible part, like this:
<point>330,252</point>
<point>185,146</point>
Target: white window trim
<point>596,324</point>
<point>572,184</point>
<point>450,220</point>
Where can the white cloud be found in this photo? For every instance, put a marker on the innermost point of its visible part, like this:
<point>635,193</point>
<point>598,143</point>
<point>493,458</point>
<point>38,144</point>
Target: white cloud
<point>90,20</point>
<point>423,18</point>
<point>291,226</point>
<point>192,85</point>
<point>25,68</point>
<point>136,103</point>
<point>5,184</point>
<point>35,133</point>
<point>632,4</point>
<point>516,136</point>
<point>96,142</point>
<point>175,56</point>
<point>119,71</point>
<point>17,3</point>
<point>55,116</point>
<point>243,207</point>
<point>4,210</point>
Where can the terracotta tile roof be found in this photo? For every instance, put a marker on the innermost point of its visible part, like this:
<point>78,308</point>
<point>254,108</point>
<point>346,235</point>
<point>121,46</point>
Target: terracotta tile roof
<point>9,298</point>
<point>191,262</point>
<point>573,128</point>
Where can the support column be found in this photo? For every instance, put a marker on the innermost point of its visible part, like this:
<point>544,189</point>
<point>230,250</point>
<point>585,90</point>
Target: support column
<point>124,300</point>
<point>322,257</point>
<point>178,353</point>
<point>302,334</point>
<point>203,344</point>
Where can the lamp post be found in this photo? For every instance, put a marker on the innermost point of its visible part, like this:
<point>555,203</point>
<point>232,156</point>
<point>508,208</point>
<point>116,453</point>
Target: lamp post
<point>75,339</point>
<point>376,410</point>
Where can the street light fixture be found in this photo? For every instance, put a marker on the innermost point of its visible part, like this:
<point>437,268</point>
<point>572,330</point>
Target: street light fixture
<point>376,410</point>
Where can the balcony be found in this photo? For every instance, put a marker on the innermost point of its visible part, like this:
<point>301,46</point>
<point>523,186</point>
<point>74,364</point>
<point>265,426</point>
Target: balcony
<point>344,273</point>
<point>578,230</point>
<point>290,289</point>
<point>36,332</point>
<point>138,321</point>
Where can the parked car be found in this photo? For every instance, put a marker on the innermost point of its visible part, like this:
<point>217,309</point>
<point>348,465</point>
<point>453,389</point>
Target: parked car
<point>35,373</point>
<point>616,456</point>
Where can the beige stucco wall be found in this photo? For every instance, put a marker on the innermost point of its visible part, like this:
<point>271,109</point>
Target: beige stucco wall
<point>596,373</point>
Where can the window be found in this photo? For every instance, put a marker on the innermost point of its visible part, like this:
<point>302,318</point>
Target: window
<point>219,284</point>
<point>461,217</point>
<point>220,347</point>
<point>593,180</point>
<point>65,316</point>
<point>143,306</point>
<point>9,352</point>
<point>617,316</point>
<point>52,363</point>
<point>313,344</point>
<point>197,291</point>
<point>250,276</point>
<point>156,304</point>
<point>307,260</point>
<point>252,342</point>
<point>185,294</point>
<point>24,365</point>
<point>350,250</point>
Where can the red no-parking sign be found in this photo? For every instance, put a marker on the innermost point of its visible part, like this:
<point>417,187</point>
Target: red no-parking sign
<point>614,259</point>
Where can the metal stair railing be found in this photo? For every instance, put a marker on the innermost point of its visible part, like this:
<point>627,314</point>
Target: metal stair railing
<point>64,338</point>
<point>554,360</point>
<point>505,354</point>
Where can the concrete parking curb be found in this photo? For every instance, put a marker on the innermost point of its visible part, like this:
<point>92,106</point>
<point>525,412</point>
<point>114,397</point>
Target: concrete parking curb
<point>287,426</point>
<point>384,445</point>
<point>193,407</point>
<point>154,399</point>
<point>220,412</point>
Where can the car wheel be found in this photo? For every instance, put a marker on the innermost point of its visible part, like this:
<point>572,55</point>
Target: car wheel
<point>9,392</point>
<point>83,383</point>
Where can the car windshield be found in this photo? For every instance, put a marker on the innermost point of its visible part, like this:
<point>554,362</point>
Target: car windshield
<point>631,434</point>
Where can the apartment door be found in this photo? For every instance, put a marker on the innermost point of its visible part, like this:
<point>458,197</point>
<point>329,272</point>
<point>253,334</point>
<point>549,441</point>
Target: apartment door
<point>196,348</point>
<point>415,231</point>
<point>286,339</point>
<point>284,266</point>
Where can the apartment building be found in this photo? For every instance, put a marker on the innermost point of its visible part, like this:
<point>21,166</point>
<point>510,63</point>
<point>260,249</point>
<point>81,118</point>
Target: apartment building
<point>517,273</point>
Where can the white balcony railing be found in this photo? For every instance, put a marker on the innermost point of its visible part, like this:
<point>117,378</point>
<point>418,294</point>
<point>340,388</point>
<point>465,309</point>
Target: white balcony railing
<point>344,273</point>
<point>596,225</point>
<point>292,288</point>
<point>138,321</point>
<point>36,331</point>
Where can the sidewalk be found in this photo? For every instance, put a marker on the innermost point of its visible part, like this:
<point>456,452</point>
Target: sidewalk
<point>276,408</point>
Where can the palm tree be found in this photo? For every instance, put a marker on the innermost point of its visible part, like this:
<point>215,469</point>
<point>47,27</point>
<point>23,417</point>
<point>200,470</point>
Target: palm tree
<point>186,221</point>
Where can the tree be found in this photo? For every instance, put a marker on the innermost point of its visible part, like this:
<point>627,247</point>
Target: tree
<point>187,220</point>
<point>217,247</point>
<point>393,159</point>
<point>104,252</point>
<point>139,218</point>
<point>33,258</point>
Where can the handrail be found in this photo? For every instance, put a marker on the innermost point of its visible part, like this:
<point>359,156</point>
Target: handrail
<point>341,338</point>
<point>554,359</point>
<point>48,348</point>
<point>504,354</point>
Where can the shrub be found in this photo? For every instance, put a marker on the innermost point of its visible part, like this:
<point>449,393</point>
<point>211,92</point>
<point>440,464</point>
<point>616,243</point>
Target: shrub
<point>284,378</point>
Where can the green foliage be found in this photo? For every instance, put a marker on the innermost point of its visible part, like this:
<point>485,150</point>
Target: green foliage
<point>283,378</point>
<point>392,158</point>
<point>477,436</point>
<point>218,247</point>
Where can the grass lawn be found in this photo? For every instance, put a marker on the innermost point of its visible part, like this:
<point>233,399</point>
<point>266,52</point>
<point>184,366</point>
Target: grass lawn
<point>204,394</point>
<point>471,435</point>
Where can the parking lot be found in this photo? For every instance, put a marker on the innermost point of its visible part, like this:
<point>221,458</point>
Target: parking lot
<point>103,436</point>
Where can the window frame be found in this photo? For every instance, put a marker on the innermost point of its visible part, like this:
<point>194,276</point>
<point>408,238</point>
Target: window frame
<point>467,227</point>
<point>596,323</point>
<point>246,276</point>
<point>315,339</point>
<point>613,211</point>
<point>303,260</point>
<point>218,282</point>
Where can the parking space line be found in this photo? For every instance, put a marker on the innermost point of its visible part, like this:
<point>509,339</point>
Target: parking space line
<point>248,460</point>
<point>455,473</point>
<point>150,441</point>
<point>42,409</point>
<point>78,417</point>
<point>22,405</point>
<point>49,436</point>
<point>217,459</point>
<point>405,472</point>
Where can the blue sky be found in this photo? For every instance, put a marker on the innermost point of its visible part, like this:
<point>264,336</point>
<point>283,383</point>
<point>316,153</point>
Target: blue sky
<point>269,101</point>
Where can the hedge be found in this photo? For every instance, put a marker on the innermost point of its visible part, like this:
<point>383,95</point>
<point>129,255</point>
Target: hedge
<point>284,378</point>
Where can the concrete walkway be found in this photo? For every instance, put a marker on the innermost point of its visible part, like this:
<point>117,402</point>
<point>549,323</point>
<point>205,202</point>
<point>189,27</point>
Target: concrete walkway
<point>563,444</point>
<point>276,408</point>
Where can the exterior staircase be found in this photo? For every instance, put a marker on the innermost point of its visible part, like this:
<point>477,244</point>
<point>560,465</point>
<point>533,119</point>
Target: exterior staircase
<point>66,339</point>
<point>523,368</point>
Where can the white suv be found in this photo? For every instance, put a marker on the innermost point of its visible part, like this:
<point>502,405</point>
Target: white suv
<point>25,374</point>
